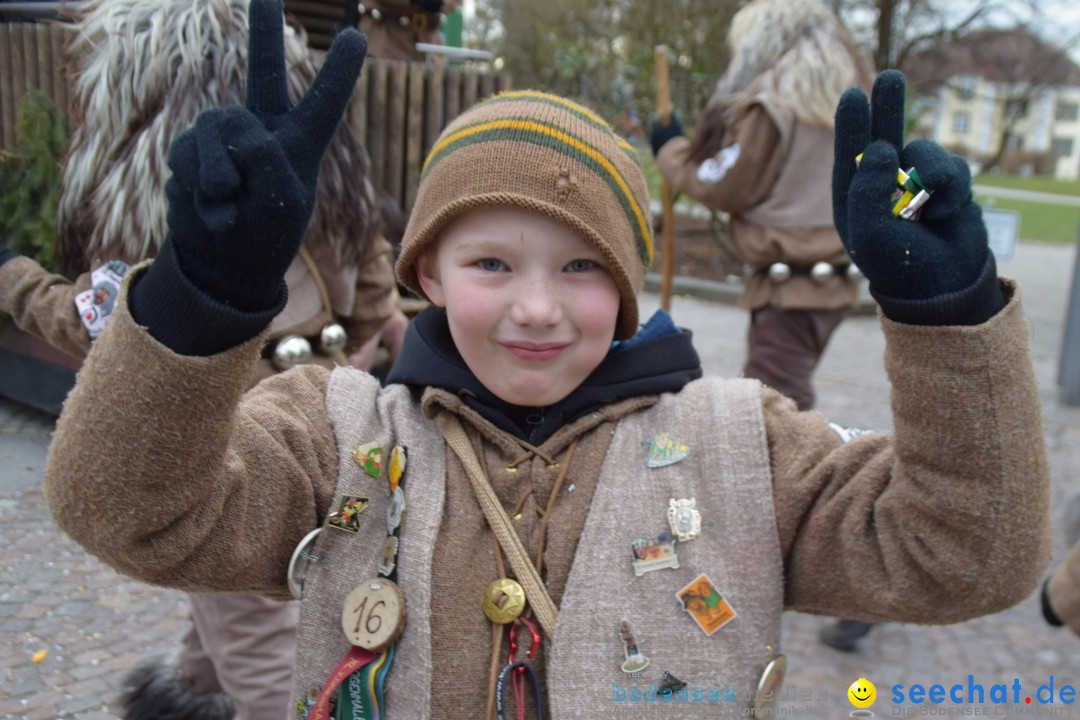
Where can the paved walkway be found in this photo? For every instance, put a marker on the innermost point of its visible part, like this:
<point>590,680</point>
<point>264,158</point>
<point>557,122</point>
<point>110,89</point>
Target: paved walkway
<point>92,623</point>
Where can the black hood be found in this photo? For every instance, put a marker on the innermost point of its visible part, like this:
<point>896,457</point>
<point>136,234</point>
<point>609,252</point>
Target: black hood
<point>660,358</point>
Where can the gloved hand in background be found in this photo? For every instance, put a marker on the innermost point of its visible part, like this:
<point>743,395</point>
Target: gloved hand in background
<point>6,253</point>
<point>241,196</point>
<point>937,270</point>
<point>660,134</point>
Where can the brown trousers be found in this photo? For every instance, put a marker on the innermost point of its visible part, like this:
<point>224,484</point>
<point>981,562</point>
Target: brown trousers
<point>784,346</point>
<point>244,645</point>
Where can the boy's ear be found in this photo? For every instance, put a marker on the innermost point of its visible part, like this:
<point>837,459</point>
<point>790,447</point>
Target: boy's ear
<point>428,277</point>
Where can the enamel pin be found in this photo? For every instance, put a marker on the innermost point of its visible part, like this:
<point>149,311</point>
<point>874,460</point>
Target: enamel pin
<point>394,510</point>
<point>388,561</point>
<point>369,457</point>
<point>654,554</point>
<point>684,519</point>
<point>665,450</point>
<point>705,604</point>
<point>397,467</point>
<point>771,680</point>
<point>346,516</point>
<point>634,660</point>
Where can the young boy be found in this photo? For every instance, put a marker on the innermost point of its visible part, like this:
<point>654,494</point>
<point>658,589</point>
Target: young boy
<point>645,519</point>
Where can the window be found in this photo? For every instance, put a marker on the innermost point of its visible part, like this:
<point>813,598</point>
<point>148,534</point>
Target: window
<point>1016,109</point>
<point>1062,147</point>
<point>965,87</point>
<point>961,122</point>
<point>1066,111</point>
<point>1014,142</point>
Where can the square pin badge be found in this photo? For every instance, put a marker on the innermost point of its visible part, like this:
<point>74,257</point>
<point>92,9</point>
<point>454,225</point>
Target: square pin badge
<point>705,604</point>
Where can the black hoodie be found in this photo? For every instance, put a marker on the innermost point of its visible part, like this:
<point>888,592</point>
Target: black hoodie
<point>660,358</point>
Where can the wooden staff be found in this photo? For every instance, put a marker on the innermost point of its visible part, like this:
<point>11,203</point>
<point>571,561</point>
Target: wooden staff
<point>667,251</point>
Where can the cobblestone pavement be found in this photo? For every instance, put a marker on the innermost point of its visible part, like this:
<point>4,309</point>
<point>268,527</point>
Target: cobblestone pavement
<point>71,625</point>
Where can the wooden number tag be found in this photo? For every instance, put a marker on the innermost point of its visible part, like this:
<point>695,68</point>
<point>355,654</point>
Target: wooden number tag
<point>374,615</point>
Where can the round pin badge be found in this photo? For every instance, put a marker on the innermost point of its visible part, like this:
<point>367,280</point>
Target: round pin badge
<point>769,684</point>
<point>301,558</point>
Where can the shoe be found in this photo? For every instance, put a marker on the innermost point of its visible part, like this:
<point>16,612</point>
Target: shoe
<point>842,634</point>
<point>150,691</point>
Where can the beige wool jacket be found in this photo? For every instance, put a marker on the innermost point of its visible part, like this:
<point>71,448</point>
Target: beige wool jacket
<point>361,298</point>
<point>195,484</point>
<point>777,192</point>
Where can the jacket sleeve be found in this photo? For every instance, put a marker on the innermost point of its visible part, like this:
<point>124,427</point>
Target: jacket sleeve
<point>1063,590</point>
<point>163,468</point>
<point>376,294</point>
<point>43,304</point>
<point>742,173</point>
<point>945,519</point>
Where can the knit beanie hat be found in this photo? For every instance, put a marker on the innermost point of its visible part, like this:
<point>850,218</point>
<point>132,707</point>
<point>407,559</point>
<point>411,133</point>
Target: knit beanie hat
<point>549,155</point>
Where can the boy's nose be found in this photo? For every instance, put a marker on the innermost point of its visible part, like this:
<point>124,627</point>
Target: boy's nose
<point>536,303</point>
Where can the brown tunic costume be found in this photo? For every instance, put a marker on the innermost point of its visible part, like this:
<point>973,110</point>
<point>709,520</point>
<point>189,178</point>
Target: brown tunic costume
<point>944,520</point>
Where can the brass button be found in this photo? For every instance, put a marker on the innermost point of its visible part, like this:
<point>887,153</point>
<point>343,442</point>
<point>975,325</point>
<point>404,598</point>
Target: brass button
<point>504,601</point>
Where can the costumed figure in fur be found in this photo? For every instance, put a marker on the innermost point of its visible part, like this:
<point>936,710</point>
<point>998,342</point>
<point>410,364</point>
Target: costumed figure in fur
<point>145,70</point>
<point>762,153</point>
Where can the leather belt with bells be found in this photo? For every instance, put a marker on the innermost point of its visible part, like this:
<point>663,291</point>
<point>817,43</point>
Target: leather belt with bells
<point>819,272</point>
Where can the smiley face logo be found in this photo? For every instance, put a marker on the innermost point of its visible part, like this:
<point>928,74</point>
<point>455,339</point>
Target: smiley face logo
<point>862,693</point>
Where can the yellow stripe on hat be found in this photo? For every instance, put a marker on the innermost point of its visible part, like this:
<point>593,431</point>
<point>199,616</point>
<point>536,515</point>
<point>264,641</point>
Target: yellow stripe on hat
<point>530,130</point>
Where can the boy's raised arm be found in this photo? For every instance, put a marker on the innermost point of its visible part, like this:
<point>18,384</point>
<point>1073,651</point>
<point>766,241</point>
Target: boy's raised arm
<point>946,518</point>
<point>158,465</point>
<point>241,196</point>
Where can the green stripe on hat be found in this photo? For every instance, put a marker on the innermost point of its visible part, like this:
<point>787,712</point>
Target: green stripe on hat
<point>544,134</point>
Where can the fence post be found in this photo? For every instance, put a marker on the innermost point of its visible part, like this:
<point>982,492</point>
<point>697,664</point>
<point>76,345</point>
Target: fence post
<point>1069,367</point>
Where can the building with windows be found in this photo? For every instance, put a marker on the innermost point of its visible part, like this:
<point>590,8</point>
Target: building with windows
<point>1003,100</point>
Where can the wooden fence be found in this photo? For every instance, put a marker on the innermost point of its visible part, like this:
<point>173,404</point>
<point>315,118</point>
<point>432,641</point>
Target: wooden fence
<point>398,108</point>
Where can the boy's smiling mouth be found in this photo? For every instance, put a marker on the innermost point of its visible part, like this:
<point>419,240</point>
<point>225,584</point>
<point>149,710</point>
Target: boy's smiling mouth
<point>534,352</point>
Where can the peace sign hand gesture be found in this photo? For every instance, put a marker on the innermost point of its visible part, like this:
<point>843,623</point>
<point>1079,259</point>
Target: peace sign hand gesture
<point>934,270</point>
<point>244,178</point>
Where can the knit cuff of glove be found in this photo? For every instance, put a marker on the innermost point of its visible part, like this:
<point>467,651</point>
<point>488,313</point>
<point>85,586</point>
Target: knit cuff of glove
<point>6,254</point>
<point>1047,611</point>
<point>185,319</point>
<point>972,305</point>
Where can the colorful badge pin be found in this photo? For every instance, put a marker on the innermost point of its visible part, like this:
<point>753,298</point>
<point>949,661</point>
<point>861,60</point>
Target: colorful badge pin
<point>369,457</point>
<point>684,519</point>
<point>654,554</point>
<point>346,516</point>
<point>665,450</point>
<point>705,604</point>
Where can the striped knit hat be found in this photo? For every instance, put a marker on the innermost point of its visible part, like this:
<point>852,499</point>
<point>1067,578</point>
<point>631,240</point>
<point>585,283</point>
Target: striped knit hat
<point>546,154</point>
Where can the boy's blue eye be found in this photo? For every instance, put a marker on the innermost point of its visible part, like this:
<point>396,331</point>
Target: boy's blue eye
<point>490,264</point>
<point>581,266</point>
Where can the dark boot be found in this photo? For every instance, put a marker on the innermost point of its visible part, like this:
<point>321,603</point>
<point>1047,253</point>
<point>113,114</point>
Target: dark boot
<point>842,634</point>
<point>152,692</point>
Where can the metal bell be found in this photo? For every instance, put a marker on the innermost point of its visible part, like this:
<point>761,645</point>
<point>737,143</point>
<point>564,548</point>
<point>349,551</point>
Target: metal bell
<point>332,337</point>
<point>291,351</point>
<point>779,272</point>
<point>821,271</point>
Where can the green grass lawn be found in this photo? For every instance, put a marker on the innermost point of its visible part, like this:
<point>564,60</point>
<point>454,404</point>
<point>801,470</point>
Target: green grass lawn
<point>1039,222</point>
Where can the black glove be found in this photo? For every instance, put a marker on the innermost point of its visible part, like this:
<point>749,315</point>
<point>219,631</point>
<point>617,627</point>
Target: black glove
<point>660,134</point>
<point>6,253</point>
<point>937,270</point>
<point>1048,612</point>
<point>242,193</point>
<point>431,6</point>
